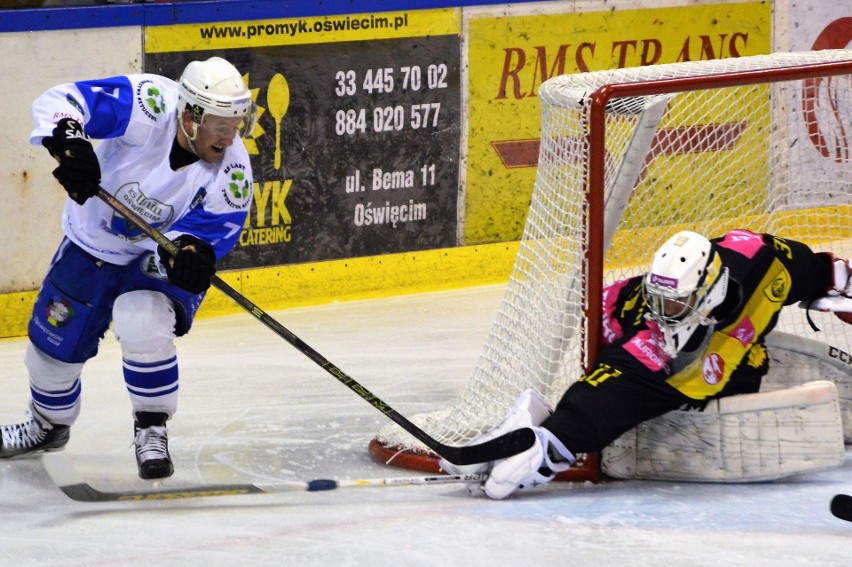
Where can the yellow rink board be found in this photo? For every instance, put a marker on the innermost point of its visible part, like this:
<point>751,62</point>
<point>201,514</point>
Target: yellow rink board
<point>284,287</point>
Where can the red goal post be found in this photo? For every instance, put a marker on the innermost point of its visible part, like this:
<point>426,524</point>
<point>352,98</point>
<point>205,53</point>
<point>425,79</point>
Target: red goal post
<point>627,157</point>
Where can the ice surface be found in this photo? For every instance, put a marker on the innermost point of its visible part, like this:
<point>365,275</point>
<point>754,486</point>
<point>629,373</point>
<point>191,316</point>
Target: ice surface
<point>255,410</point>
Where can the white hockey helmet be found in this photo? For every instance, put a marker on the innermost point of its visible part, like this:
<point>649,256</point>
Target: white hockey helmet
<point>215,87</point>
<point>686,282</point>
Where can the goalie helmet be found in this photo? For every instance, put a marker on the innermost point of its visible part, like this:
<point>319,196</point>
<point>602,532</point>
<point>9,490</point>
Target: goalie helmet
<point>686,282</point>
<point>215,87</point>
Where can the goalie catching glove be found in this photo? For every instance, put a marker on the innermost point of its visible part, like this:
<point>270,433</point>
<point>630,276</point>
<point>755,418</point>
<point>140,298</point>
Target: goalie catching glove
<point>192,267</point>
<point>842,288</point>
<point>838,298</point>
<point>536,466</point>
<point>79,171</point>
<point>842,278</point>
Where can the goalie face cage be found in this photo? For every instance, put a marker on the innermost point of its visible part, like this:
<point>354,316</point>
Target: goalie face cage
<point>627,158</point>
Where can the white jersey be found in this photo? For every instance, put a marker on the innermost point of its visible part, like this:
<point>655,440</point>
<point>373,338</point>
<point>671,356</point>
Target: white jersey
<point>135,117</point>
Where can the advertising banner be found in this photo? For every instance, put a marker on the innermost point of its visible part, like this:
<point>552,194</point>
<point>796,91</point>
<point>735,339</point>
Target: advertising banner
<point>356,149</point>
<point>512,55</point>
<point>816,25</point>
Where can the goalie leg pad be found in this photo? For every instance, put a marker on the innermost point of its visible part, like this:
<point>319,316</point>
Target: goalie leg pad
<point>530,409</point>
<point>798,360</point>
<point>536,466</point>
<point>745,438</point>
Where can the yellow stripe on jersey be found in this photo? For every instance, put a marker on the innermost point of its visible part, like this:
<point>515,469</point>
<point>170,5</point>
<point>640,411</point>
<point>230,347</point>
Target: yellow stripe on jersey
<point>728,347</point>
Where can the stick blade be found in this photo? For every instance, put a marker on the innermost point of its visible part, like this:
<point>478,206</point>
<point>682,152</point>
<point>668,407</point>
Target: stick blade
<point>841,507</point>
<point>502,447</point>
<point>69,481</point>
<point>60,470</point>
<point>75,487</point>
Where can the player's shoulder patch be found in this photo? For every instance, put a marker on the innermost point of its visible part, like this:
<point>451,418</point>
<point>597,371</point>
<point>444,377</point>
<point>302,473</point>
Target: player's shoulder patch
<point>745,242</point>
<point>779,287</point>
<point>236,187</point>
<point>150,99</point>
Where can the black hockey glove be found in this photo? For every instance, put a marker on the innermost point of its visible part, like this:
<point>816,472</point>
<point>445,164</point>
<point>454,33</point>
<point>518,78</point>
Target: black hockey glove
<point>192,267</point>
<point>79,171</point>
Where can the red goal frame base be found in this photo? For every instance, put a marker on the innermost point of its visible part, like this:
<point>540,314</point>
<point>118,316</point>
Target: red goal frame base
<point>586,469</point>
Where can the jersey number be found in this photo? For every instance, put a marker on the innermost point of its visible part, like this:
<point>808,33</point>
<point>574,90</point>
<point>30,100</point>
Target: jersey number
<point>599,374</point>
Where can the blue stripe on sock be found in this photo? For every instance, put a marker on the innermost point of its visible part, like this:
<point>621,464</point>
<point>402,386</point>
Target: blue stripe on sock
<point>151,379</point>
<point>57,400</point>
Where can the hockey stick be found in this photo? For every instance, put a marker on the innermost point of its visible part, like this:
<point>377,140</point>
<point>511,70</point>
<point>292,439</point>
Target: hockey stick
<point>841,507</point>
<point>74,486</point>
<point>501,447</point>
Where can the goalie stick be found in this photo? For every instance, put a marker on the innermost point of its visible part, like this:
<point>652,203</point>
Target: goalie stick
<point>501,447</point>
<point>841,507</point>
<point>75,487</point>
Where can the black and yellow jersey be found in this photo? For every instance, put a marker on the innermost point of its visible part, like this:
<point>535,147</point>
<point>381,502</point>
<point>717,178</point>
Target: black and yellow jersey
<point>766,272</point>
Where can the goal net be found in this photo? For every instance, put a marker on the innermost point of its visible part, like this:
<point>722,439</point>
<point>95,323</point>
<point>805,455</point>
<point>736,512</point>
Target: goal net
<point>627,158</point>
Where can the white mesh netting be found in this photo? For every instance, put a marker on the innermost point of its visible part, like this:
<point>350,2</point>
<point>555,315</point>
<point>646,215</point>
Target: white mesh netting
<point>774,157</point>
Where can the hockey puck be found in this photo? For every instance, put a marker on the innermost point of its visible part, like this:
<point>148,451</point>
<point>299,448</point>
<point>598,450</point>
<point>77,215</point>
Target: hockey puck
<point>841,507</point>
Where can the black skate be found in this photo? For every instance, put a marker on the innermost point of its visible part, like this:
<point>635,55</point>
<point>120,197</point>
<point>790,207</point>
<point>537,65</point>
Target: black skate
<point>152,446</point>
<point>32,436</point>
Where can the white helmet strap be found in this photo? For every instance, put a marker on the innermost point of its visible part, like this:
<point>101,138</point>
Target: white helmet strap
<point>190,139</point>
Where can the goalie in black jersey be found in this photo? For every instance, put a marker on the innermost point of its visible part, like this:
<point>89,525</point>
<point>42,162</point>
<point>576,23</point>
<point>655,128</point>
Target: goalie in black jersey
<point>690,330</point>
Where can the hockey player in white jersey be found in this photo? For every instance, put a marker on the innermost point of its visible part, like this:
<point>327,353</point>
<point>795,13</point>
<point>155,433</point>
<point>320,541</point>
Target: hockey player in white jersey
<point>173,153</point>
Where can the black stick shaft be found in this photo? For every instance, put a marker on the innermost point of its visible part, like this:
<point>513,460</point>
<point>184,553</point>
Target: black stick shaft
<point>498,448</point>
